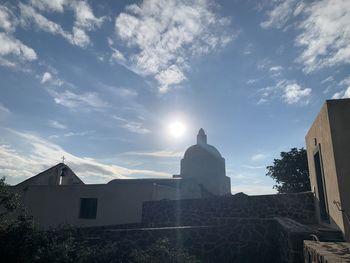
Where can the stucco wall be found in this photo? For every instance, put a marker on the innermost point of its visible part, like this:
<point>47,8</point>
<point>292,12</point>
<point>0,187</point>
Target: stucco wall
<point>331,130</point>
<point>339,117</point>
<point>117,204</point>
<point>299,207</point>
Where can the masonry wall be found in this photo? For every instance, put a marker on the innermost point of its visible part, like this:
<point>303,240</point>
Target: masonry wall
<point>193,212</point>
<point>230,240</point>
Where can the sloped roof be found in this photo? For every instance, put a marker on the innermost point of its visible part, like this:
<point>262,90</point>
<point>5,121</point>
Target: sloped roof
<point>52,171</point>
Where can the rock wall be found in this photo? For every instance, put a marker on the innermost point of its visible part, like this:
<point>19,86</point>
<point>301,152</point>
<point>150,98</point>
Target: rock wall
<point>231,240</point>
<point>326,252</point>
<point>198,212</point>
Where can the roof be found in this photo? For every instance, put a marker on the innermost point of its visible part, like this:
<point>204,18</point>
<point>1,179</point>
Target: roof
<point>43,177</point>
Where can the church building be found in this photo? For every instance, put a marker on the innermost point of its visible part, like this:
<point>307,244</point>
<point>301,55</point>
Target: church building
<point>57,196</point>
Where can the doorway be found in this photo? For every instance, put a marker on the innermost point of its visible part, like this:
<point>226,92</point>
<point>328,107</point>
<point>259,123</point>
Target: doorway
<point>321,188</point>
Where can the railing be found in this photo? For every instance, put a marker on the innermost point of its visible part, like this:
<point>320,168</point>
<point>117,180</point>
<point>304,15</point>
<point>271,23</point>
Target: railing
<point>340,208</point>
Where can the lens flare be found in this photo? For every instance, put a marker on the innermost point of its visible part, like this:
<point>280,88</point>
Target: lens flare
<point>177,129</point>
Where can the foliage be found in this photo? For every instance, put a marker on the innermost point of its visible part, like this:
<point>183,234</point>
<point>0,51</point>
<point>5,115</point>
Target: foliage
<point>21,242</point>
<point>291,172</point>
<point>160,252</point>
<point>9,202</point>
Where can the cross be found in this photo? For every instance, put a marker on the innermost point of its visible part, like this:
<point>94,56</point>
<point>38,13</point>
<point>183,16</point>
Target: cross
<point>63,158</point>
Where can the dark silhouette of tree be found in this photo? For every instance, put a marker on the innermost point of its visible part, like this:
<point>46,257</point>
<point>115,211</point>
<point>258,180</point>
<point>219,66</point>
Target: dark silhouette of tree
<point>290,172</point>
<point>9,201</point>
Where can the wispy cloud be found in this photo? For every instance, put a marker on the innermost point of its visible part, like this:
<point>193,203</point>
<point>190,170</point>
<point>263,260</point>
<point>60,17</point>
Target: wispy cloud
<point>345,93</point>
<point>324,34</point>
<point>3,109</point>
<point>8,21</point>
<point>294,93</point>
<point>81,101</point>
<point>84,20</point>
<point>13,51</point>
<point>326,41</point>
<point>57,125</point>
<point>158,154</point>
<point>167,34</point>
<point>288,91</point>
<point>32,154</point>
<point>46,77</point>
<point>82,133</point>
<point>259,156</point>
<point>281,12</point>
<point>253,166</point>
<point>133,126</point>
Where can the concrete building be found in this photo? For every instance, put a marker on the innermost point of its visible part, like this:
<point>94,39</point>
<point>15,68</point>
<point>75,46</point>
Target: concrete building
<point>57,196</point>
<point>328,151</point>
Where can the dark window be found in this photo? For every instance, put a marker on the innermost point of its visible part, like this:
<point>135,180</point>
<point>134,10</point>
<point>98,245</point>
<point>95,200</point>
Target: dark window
<point>88,208</point>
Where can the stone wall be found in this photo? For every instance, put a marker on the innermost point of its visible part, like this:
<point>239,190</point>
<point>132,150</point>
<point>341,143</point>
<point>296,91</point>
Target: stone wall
<point>231,240</point>
<point>290,237</point>
<point>326,252</point>
<point>197,212</point>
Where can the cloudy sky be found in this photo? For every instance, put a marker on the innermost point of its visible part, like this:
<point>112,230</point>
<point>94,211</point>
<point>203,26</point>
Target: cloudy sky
<point>99,82</point>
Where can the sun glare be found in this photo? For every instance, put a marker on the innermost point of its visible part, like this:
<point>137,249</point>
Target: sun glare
<point>177,129</point>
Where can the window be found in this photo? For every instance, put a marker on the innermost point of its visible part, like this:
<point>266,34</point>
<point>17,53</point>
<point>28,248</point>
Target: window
<point>88,208</point>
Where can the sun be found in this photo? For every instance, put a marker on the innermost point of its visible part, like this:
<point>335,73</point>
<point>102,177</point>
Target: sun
<point>177,129</point>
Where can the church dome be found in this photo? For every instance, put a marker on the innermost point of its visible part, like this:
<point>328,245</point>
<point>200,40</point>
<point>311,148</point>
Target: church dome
<point>201,150</point>
<point>202,160</point>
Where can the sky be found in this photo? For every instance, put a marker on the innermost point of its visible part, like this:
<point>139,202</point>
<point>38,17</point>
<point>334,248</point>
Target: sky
<point>101,82</point>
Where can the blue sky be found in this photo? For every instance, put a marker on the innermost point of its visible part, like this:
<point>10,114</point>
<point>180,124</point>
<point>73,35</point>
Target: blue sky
<point>101,81</point>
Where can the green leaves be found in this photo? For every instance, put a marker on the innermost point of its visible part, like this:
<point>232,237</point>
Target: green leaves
<point>290,172</point>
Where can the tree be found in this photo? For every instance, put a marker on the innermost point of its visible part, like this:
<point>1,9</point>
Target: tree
<point>291,172</point>
<point>9,201</point>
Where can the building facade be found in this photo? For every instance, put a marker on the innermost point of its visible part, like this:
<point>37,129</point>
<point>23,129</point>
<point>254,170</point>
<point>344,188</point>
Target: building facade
<point>58,196</point>
<point>328,152</point>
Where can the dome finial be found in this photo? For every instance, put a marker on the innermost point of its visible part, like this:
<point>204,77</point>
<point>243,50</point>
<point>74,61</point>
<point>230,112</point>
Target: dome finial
<point>201,137</point>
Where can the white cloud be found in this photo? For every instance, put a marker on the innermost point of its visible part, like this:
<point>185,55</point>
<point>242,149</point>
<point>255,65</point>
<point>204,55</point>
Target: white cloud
<point>50,5</point>
<point>50,77</point>
<point>328,79</point>
<point>252,81</point>
<point>168,77</point>
<point>57,125</point>
<point>294,93</point>
<point>84,19</point>
<point>259,157</point>
<point>166,34</point>
<point>275,68</point>
<point>324,31</point>
<point>46,77</point>
<point>7,20</point>
<point>118,56</point>
<point>3,109</point>
<point>84,16</point>
<point>282,11</point>
<point>159,154</point>
<point>344,93</point>
<point>325,34</point>
<point>87,100</point>
<point>253,166</point>
<point>250,189</point>
<point>289,91</point>
<point>13,51</point>
<point>133,126</point>
<point>33,154</point>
